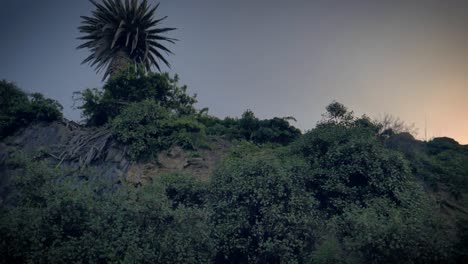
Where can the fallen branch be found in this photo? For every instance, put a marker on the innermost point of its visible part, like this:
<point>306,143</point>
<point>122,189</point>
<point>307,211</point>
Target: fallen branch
<point>85,147</point>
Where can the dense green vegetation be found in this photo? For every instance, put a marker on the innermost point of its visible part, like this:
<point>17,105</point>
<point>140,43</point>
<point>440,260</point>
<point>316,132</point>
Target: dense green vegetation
<point>99,106</point>
<point>351,190</point>
<point>261,211</point>
<point>441,162</point>
<point>248,127</point>
<point>147,128</point>
<point>51,219</point>
<point>19,109</point>
<point>151,112</point>
<point>344,192</point>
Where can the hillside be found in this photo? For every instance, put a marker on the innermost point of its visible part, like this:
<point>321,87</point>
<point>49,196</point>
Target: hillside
<point>150,178</point>
<point>76,148</point>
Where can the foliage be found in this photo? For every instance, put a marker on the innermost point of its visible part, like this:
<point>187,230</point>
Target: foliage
<point>58,219</point>
<point>375,211</point>
<point>185,190</point>
<point>461,248</point>
<point>120,35</point>
<point>100,106</point>
<point>45,109</point>
<point>350,166</point>
<point>441,162</point>
<point>337,113</point>
<point>249,127</point>
<point>18,109</point>
<point>260,212</point>
<point>385,233</point>
<point>341,193</point>
<point>328,251</point>
<point>147,127</point>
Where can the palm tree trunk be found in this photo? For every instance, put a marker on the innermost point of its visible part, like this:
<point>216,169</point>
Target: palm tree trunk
<point>119,64</point>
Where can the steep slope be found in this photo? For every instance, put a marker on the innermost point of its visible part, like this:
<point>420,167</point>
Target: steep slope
<point>92,152</point>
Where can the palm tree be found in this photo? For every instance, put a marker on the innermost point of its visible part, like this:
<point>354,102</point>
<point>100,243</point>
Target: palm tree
<point>123,33</point>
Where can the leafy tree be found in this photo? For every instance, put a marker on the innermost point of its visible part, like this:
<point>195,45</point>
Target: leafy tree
<point>121,34</point>
<point>260,212</point>
<point>349,165</point>
<point>248,124</point>
<point>337,113</point>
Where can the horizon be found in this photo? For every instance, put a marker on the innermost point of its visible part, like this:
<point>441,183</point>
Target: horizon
<point>275,58</point>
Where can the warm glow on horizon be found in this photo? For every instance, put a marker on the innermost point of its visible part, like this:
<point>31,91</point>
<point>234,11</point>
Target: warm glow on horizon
<point>415,71</point>
<point>277,58</point>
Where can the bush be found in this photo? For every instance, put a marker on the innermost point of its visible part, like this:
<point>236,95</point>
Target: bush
<point>261,213</point>
<point>184,190</point>
<point>441,162</point>
<point>328,251</point>
<point>339,194</point>
<point>350,166</point>
<point>100,106</point>
<point>18,109</point>
<point>276,130</point>
<point>386,233</point>
<point>58,219</point>
<point>374,210</point>
<point>147,127</point>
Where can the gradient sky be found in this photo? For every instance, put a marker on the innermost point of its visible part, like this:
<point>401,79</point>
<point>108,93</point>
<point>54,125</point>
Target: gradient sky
<point>277,58</point>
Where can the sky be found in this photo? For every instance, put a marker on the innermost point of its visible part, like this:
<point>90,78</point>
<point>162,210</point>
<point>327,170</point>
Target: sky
<point>277,58</point>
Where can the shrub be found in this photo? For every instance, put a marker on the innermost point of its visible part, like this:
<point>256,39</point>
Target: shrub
<point>58,219</point>
<point>349,165</point>
<point>45,109</point>
<point>386,233</point>
<point>248,127</point>
<point>260,212</point>
<point>328,251</point>
<point>184,190</point>
<point>18,109</point>
<point>100,106</point>
<point>147,127</point>
<point>375,211</point>
<point>441,162</point>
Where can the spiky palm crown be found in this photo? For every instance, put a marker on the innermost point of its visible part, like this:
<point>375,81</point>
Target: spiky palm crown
<point>124,28</point>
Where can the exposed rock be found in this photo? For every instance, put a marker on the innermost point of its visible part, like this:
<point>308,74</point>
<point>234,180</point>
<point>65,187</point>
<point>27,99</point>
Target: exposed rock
<point>93,153</point>
<point>140,173</point>
<point>73,147</point>
<point>199,164</point>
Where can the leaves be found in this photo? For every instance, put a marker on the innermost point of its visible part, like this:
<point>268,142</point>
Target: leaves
<point>260,212</point>
<point>124,28</point>
<point>147,128</point>
<point>99,106</point>
<point>58,219</point>
<point>18,109</point>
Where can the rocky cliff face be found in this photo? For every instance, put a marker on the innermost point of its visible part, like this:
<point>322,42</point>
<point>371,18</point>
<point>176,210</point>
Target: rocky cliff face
<point>92,152</point>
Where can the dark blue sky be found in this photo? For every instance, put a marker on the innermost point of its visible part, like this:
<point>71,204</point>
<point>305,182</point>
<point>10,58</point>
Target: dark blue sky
<point>277,58</point>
